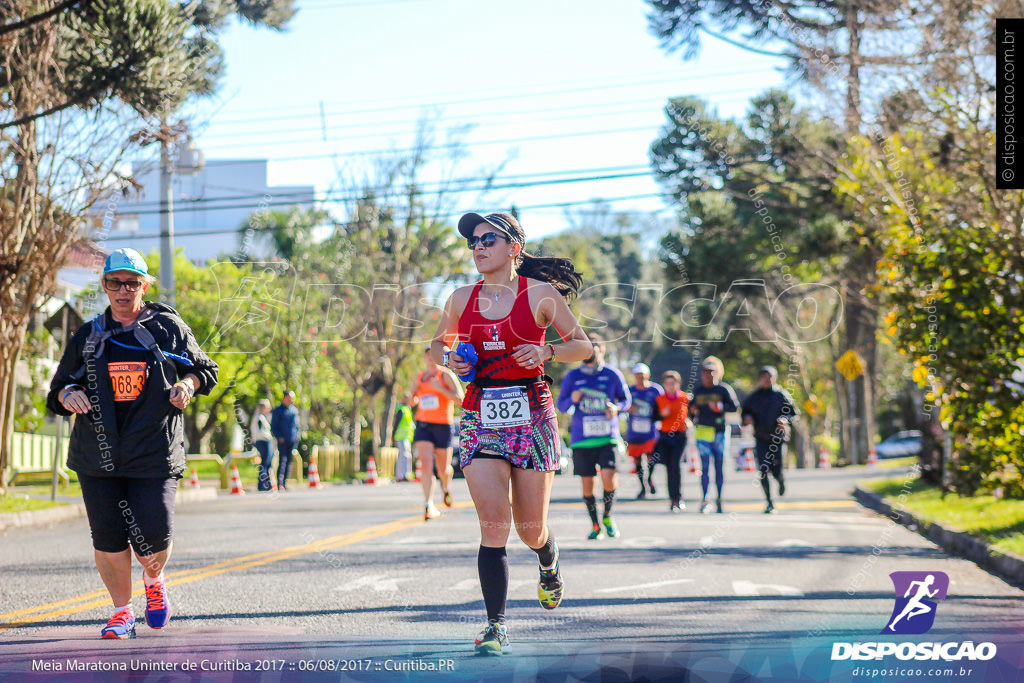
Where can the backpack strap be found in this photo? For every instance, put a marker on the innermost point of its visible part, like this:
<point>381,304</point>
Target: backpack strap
<point>94,344</point>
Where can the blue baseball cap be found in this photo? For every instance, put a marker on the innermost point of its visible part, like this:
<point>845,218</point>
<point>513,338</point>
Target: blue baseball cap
<point>126,259</point>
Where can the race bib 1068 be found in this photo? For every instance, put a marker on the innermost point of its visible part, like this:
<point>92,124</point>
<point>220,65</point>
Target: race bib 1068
<point>128,379</point>
<point>504,407</point>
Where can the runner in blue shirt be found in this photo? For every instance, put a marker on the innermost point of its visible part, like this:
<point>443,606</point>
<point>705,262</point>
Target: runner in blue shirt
<point>597,393</point>
<point>641,426</point>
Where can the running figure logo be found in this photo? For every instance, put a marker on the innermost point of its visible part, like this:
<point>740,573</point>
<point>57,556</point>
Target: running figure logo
<point>495,343</point>
<point>914,612</point>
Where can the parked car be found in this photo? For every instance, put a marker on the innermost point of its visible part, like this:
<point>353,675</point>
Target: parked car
<point>900,444</point>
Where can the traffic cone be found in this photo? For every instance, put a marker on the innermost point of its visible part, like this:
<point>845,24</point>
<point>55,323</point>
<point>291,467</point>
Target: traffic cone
<point>314,476</point>
<point>872,458</point>
<point>193,481</point>
<point>824,461</point>
<point>419,469</point>
<point>748,463</point>
<point>371,472</point>
<point>236,482</point>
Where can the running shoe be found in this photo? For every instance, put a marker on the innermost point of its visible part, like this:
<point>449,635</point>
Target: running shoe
<point>609,525</point>
<point>718,505</point>
<point>493,639</point>
<point>641,495</point>
<point>448,500</point>
<point>431,512</point>
<point>121,625</point>
<point>650,485</point>
<point>158,609</point>
<point>769,509</point>
<point>782,488</point>
<point>596,534</point>
<point>706,507</point>
<point>549,590</point>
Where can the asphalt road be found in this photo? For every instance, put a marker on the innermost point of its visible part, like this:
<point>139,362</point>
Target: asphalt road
<point>350,583</point>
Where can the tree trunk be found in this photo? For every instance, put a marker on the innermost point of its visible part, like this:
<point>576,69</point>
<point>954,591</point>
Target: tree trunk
<point>390,407</point>
<point>14,336</point>
<point>853,29</point>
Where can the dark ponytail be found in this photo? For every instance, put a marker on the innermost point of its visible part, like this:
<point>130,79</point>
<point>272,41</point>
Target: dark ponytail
<point>560,273</point>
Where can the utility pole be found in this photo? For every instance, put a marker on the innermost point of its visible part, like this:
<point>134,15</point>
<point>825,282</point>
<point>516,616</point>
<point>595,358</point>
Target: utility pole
<point>166,217</point>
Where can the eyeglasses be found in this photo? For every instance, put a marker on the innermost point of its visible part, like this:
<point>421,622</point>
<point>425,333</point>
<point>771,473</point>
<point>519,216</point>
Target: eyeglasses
<point>487,239</point>
<point>114,285</point>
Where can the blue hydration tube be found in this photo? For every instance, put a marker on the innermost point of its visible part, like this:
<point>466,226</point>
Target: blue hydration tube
<point>183,358</point>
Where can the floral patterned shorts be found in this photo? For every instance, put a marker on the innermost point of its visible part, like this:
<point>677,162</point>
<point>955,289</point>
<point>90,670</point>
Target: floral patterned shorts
<point>532,446</point>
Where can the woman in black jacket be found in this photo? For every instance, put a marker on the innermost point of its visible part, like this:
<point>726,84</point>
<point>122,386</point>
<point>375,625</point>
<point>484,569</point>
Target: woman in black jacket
<point>127,375</point>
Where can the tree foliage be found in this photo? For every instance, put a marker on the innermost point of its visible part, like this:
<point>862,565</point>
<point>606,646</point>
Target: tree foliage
<point>78,83</point>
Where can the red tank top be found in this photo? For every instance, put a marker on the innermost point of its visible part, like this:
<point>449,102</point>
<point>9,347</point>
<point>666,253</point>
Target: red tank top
<point>496,340</point>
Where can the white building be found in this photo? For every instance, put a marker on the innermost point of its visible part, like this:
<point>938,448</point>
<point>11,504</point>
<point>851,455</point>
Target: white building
<point>210,208</point>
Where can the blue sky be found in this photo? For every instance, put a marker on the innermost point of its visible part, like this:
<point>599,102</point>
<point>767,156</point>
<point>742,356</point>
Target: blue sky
<point>548,87</point>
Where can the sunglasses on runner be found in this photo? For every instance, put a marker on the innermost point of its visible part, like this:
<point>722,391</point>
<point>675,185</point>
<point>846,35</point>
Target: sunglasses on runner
<point>487,239</point>
<point>114,285</point>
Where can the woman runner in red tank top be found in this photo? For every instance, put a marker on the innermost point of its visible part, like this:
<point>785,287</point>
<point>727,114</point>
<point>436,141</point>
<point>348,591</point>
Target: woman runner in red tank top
<point>508,433</point>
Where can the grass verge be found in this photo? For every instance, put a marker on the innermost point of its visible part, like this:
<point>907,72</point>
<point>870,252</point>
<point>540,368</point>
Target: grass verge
<point>999,521</point>
<point>21,504</point>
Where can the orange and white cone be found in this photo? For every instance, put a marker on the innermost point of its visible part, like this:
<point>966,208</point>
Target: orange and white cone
<point>824,461</point>
<point>748,464</point>
<point>371,472</point>
<point>872,458</point>
<point>236,482</point>
<point>419,469</point>
<point>193,481</point>
<point>694,461</point>
<point>314,476</point>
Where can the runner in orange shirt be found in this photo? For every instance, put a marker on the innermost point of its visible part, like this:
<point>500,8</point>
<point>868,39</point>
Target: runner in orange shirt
<point>437,389</point>
<point>673,406</point>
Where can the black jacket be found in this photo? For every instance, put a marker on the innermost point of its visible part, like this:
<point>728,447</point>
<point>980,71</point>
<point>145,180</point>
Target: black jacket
<point>152,443</point>
<point>766,406</point>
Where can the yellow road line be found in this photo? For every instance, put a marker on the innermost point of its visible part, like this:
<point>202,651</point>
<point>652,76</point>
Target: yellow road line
<point>730,507</point>
<point>187,576</point>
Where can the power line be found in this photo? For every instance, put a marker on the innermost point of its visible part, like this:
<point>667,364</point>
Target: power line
<point>533,207</point>
<point>249,193</point>
<point>453,145</point>
<point>483,96</point>
<point>357,194</point>
<point>478,99</point>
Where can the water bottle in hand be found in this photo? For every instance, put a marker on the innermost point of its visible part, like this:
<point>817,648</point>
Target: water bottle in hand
<point>466,351</point>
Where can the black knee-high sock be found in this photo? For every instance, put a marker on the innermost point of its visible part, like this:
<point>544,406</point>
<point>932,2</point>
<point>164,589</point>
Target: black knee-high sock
<point>640,472</point>
<point>492,565</point>
<point>609,498</point>
<point>546,553</point>
<point>591,502</point>
<point>765,486</point>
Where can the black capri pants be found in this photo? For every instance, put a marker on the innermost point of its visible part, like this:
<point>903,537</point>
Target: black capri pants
<point>124,511</point>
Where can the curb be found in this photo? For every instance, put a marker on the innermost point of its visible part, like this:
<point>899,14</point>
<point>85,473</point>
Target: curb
<point>45,516</point>
<point>193,495</point>
<point>1007,566</point>
<point>62,513</point>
